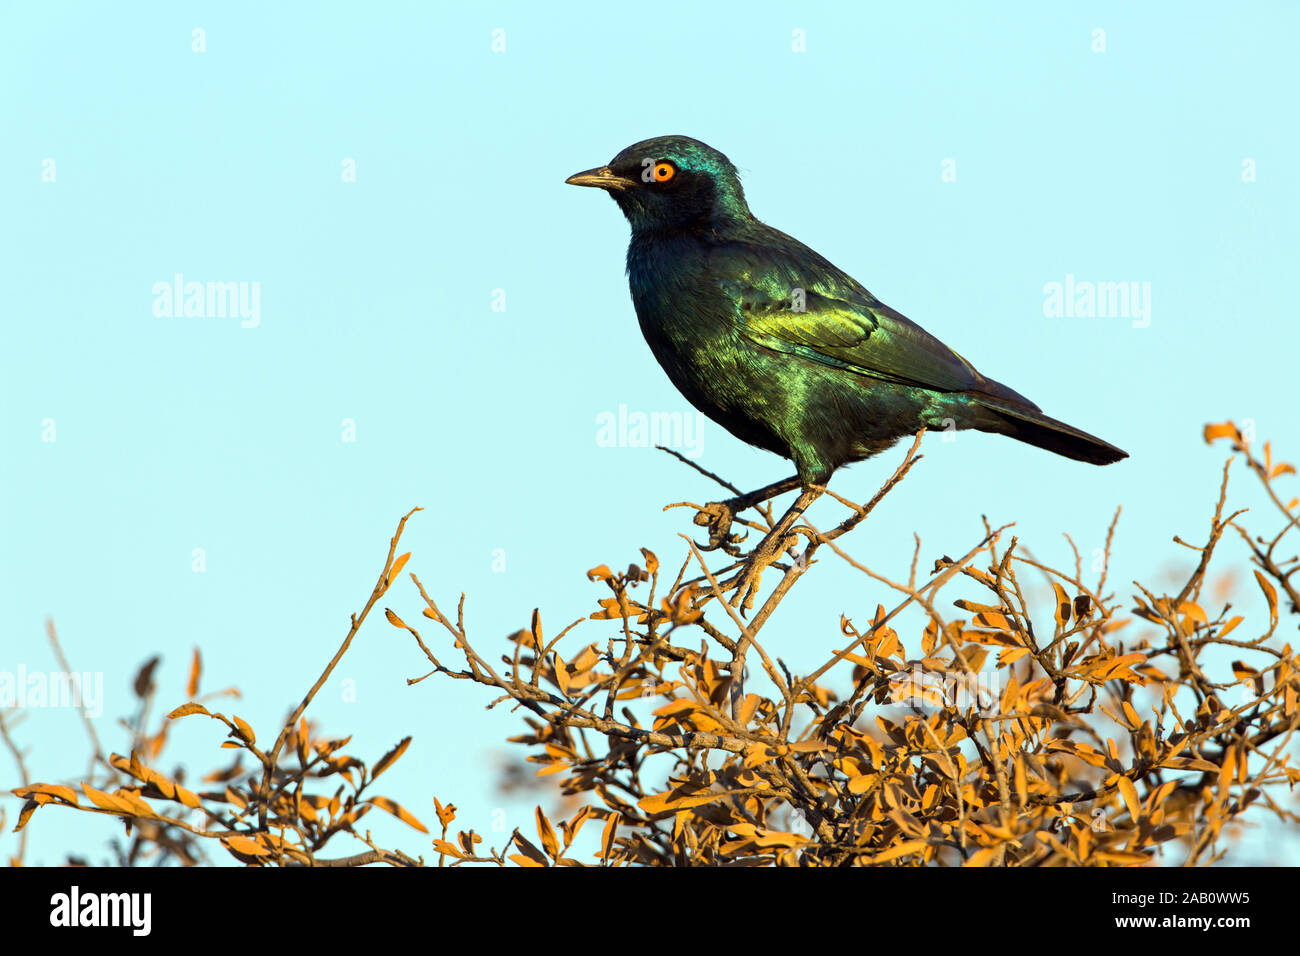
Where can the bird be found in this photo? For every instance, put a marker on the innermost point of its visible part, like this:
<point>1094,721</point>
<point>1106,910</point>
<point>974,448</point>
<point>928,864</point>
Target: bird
<point>781,348</point>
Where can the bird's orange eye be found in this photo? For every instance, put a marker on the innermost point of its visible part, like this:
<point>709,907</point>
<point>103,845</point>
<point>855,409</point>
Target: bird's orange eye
<point>664,172</point>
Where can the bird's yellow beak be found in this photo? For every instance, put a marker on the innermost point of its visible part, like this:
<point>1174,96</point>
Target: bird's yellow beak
<point>602,177</point>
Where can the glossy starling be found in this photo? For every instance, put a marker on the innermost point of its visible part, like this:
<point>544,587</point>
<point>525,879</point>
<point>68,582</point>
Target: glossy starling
<point>777,345</point>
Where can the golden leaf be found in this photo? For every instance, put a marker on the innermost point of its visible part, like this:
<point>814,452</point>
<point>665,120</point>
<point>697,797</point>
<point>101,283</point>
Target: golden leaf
<point>1084,842</point>
<point>245,730</point>
<point>196,667</point>
<point>397,810</point>
<point>1131,715</point>
<point>1010,655</point>
<point>531,855</point>
<point>1130,795</point>
<point>184,710</point>
<point>902,849</point>
<point>680,609</point>
<point>999,638</point>
<point>680,799</point>
<point>106,801</point>
<point>304,742</point>
<point>777,838</point>
<point>1226,771</point>
<point>607,838</point>
<point>1189,763</point>
<point>1109,669</point>
<point>1223,430</point>
<point>1158,795</point>
<point>390,758</point>
<point>810,746</point>
<point>930,637</point>
<point>54,789</point>
<point>138,806</point>
<point>1123,857</point>
<point>1243,671</point>
<point>993,619</point>
<point>26,814</point>
<point>398,565</point>
<point>547,834</point>
<point>243,845</point>
<point>561,674</point>
<point>982,857</point>
<point>1270,593</point>
<point>448,849</point>
<point>860,785</point>
<point>1063,605</point>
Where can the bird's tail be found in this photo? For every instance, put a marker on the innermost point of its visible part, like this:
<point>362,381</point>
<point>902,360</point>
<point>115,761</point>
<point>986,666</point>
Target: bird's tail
<point>1028,424</point>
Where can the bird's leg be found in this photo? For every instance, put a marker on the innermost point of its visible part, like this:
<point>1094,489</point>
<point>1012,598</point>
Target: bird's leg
<point>747,581</point>
<point>718,515</point>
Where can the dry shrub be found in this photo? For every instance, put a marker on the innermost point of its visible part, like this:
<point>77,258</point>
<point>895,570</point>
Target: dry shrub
<point>1113,738</point>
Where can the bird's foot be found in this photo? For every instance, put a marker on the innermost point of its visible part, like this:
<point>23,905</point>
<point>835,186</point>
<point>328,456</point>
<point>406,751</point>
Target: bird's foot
<point>717,516</point>
<point>749,579</point>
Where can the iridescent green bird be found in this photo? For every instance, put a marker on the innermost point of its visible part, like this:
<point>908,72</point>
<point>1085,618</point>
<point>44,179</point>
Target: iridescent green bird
<point>780,347</point>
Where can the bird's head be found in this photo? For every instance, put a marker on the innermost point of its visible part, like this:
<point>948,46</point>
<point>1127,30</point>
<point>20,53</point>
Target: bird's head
<point>670,184</point>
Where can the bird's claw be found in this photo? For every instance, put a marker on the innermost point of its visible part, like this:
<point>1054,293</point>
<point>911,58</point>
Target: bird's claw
<point>749,579</point>
<point>717,516</point>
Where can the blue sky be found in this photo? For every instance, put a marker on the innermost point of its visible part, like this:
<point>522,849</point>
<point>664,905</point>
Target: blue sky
<point>1168,160</point>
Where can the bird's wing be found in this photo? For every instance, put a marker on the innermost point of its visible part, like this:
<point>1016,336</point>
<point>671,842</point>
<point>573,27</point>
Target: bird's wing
<point>794,301</point>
